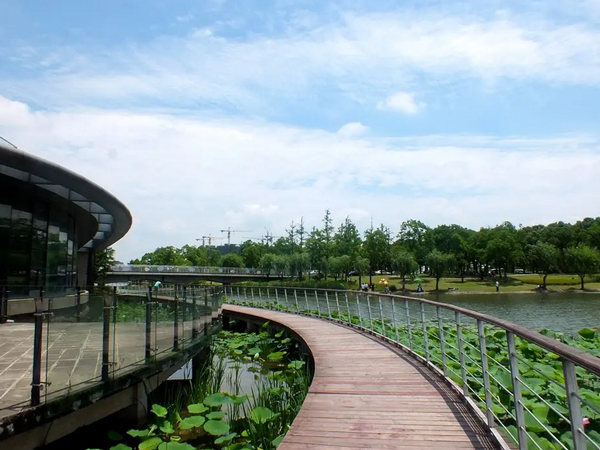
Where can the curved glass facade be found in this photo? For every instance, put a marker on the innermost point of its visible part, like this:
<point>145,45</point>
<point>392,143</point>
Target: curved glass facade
<point>38,241</point>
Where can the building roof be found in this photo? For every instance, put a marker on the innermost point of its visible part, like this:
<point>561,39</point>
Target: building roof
<point>113,217</point>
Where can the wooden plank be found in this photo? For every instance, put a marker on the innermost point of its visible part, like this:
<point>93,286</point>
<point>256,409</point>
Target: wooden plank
<point>364,395</point>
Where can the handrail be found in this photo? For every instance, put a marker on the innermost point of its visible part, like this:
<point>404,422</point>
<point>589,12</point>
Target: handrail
<point>212,270</point>
<point>491,344</point>
<point>575,355</point>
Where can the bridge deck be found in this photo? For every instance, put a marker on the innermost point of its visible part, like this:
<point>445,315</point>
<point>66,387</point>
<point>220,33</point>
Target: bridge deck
<point>367,395</point>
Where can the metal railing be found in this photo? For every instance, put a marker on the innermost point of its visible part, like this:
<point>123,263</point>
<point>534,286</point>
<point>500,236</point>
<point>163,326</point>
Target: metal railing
<point>192,269</point>
<point>528,388</point>
<point>99,343</point>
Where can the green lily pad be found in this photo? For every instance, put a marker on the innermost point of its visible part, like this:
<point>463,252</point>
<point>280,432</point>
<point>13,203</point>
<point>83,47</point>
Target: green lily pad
<point>225,438</point>
<point>192,422</point>
<point>217,399</point>
<point>159,411</point>
<point>150,444</point>
<point>115,436</point>
<point>296,365</point>
<point>197,408</point>
<point>140,433</point>
<point>121,447</point>
<point>216,427</point>
<point>167,428</point>
<point>278,440</point>
<point>587,333</point>
<point>261,414</point>
<point>215,415</point>
<point>275,356</point>
<point>176,446</point>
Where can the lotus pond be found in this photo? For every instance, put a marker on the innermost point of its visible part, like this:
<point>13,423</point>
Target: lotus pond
<point>541,374</point>
<point>245,397</point>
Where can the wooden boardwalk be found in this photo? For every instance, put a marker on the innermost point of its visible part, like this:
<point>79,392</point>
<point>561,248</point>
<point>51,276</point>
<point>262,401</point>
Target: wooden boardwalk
<point>367,395</point>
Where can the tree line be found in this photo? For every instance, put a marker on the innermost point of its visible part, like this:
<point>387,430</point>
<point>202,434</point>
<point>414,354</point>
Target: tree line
<point>444,250</point>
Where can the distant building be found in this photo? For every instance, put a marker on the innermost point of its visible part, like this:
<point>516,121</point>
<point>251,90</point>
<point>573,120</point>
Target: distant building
<point>52,221</point>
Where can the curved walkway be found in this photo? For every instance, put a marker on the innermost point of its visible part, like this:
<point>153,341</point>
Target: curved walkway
<point>366,395</point>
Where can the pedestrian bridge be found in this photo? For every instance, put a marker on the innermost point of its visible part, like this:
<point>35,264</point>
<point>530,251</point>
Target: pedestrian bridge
<point>391,372</point>
<point>188,274</point>
<point>397,372</point>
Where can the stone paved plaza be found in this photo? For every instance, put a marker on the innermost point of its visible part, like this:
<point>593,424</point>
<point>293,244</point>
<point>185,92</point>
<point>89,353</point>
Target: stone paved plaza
<point>72,356</point>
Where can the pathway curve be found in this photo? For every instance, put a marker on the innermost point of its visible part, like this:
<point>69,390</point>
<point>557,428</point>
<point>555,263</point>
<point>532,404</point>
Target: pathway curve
<point>366,395</point>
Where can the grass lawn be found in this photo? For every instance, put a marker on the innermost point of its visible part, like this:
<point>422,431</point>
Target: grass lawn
<point>515,283</point>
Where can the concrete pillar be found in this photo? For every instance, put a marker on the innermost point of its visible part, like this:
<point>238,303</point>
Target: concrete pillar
<point>135,415</point>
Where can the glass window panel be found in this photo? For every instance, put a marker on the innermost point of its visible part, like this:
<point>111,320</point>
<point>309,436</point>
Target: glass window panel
<point>70,247</point>
<point>20,231</point>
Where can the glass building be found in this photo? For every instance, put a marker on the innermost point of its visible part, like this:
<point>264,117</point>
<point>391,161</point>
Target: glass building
<point>52,221</point>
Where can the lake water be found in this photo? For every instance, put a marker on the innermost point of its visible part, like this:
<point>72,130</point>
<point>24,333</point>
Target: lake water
<point>559,312</point>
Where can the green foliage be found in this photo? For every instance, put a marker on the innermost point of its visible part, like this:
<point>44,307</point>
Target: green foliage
<point>104,261</point>
<point>232,260</point>
<point>583,260</point>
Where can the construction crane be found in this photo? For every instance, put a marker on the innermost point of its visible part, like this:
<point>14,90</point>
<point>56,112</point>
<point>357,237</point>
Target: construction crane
<point>209,238</point>
<point>229,231</point>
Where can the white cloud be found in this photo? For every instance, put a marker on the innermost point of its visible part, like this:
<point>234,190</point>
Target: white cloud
<point>364,56</point>
<point>352,129</point>
<point>184,18</point>
<point>184,177</point>
<point>403,102</point>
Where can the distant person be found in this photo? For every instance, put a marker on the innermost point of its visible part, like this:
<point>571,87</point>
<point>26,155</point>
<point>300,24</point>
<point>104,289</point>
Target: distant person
<point>419,288</point>
<point>497,286</point>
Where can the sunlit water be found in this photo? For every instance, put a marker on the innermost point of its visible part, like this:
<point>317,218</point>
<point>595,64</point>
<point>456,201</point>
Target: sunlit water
<point>559,312</point>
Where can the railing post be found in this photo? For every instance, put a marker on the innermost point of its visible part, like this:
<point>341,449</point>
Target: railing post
<point>381,317</point>
<point>394,319</point>
<point>328,308</point>
<point>195,313</point>
<point>36,374</point>
<point>3,305</point>
<point>306,300</point>
<point>486,376</point>
<point>461,354</point>
<point>106,338</point>
<point>358,311</point>
<point>296,299</point>
<point>516,384</point>
<point>268,294</point>
<point>176,321</point>
<point>259,296</point>
<point>318,306</point>
<point>442,341</point>
<point>238,293</point>
<point>575,416</point>
<point>286,298</point>
<point>347,307</point>
<point>78,304</point>
<point>410,337</point>
<point>148,352</point>
<point>252,293</point>
<point>369,309</point>
<point>337,303</point>
<point>425,340</point>
<point>276,296</point>
<point>245,294</point>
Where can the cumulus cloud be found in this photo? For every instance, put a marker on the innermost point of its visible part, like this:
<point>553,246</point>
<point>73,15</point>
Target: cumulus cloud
<point>360,55</point>
<point>352,129</point>
<point>403,102</point>
<point>183,177</point>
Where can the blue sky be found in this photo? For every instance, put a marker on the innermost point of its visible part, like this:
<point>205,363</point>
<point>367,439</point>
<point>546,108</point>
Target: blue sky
<point>251,114</point>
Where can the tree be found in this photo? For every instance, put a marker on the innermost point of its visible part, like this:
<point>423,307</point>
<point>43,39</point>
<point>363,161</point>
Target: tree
<point>404,263</point>
<point>165,256</point>
<point>104,261</point>
<point>412,236</point>
<point>363,266</point>
<point>196,256</point>
<point>346,240</point>
<point>340,266</point>
<point>267,263</point>
<point>582,260</point>
<point>315,246</point>
<point>281,265</point>
<point>251,253</point>
<point>544,257</point>
<point>299,262</point>
<point>377,249</point>
<point>232,260</point>
<point>439,263</point>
